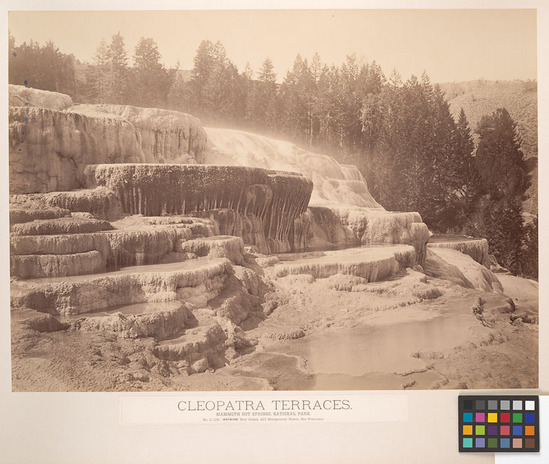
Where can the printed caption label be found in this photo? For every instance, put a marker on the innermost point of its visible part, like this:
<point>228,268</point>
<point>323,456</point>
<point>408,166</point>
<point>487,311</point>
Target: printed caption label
<point>261,409</point>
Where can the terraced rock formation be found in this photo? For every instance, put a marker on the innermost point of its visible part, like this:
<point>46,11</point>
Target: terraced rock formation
<point>341,213</point>
<point>134,266</point>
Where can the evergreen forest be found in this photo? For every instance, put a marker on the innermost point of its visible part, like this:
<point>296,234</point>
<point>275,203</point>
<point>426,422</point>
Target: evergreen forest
<point>414,154</point>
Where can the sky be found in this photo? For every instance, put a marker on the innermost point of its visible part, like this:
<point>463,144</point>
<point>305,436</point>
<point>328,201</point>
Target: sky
<point>450,45</point>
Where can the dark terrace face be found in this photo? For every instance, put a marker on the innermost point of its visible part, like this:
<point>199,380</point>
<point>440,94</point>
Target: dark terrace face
<point>499,423</point>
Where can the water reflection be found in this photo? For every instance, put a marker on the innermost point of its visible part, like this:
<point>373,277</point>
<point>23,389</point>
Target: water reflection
<point>387,348</point>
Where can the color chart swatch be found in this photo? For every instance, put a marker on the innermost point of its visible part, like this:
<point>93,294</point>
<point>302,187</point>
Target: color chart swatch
<point>498,423</point>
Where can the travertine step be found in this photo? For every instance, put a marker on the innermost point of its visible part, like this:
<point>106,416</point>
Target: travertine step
<point>220,246</point>
<point>27,212</point>
<point>197,350</point>
<point>255,204</point>
<point>380,227</point>
<point>135,242</point>
<point>188,188</point>
<point>139,284</point>
<point>373,263</point>
<point>57,244</point>
<point>37,266</point>
<point>100,202</point>
<point>476,248</point>
<point>158,320</point>
<point>64,225</point>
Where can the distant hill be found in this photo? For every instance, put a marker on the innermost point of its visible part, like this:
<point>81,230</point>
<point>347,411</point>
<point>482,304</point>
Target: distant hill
<point>479,98</point>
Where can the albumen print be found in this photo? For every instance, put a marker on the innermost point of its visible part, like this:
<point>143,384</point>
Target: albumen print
<point>273,200</point>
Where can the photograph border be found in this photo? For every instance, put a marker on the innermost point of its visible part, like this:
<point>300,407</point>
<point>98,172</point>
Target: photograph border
<point>60,427</point>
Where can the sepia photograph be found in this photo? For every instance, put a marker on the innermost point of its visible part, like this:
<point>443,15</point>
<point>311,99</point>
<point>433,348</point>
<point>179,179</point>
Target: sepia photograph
<point>273,200</point>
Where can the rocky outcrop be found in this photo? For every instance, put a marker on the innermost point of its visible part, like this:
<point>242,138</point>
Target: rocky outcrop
<point>266,203</point>
<point>115,230</point>
<point>20,95</point>
<point>165,136</point>
<point>264,208</point>
<point>49,149</point>
<point>196,227</point>
<point>194,188</point>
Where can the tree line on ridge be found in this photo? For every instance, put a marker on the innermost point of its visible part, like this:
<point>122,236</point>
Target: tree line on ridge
<point>401,134</point>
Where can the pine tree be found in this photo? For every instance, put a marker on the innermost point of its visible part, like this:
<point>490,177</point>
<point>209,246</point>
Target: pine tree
<point>41,67</point>
<point>24,65</point>
<point>371,114</point>
<point>464,145</point>
<point>387,161</point>
<point>217,91</point>
<point>202,69</point>
<point>409,147</point>
<point>446,178</point>
<point>529,252</point>
<point>151,81</point>
<point>318,69</point>
<point>467,177</point>
<point>351,76</point>
<point>505,232</point>
<point>499,159</point>
<point>375,79</point>
<point>328,107</point>
<point>248,72</point>
<point>321,105</point>
<point>262,98</point>
<point>418,167</point>
<point>178,95</point>
<point>118,70</point>
<point>98,77</point>
<point>223,89</point>
<point>501,168</point>
<point>296,94</point>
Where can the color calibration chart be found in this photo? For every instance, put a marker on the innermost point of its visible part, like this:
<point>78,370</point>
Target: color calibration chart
<point>498,423</point>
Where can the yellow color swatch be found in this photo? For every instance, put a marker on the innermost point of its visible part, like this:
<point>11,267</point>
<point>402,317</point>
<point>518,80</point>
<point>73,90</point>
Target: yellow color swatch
<point>492,417</point>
